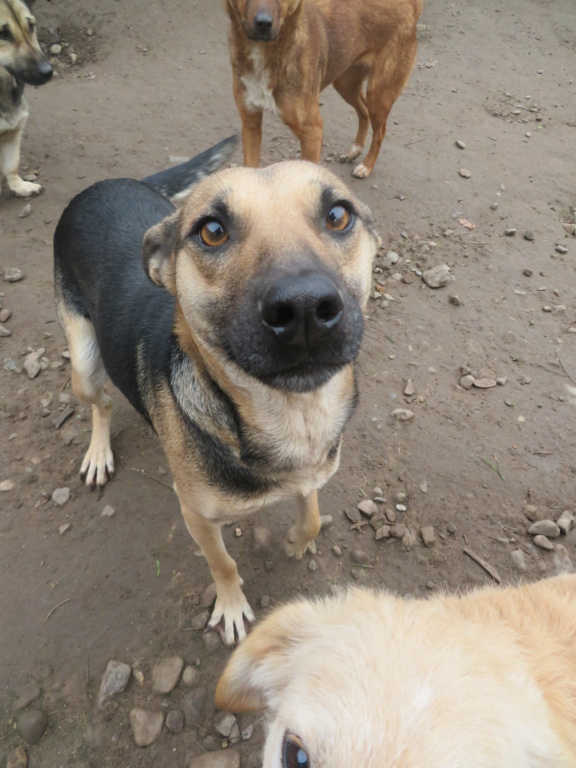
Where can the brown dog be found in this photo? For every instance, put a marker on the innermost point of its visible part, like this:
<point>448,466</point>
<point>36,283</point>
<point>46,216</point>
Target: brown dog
<point>486,680</point>
<point>284,52</point>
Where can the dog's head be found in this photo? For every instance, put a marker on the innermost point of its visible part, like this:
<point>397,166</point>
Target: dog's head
<point>20,53</point>
<point>262,20</point>
<point>373,681</point>
<point>271,269</point>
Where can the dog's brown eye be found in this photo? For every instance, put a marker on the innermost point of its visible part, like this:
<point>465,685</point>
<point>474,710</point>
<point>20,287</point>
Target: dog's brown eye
<point>212,234</point>
<point>31,27</point>
<point>338,218</point>
<point>293,753</point>
<point>5,33</point>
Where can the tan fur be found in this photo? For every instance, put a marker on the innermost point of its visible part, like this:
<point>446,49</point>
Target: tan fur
<point>20,55</point>
<point>486,680</point>
<point>364,48</point>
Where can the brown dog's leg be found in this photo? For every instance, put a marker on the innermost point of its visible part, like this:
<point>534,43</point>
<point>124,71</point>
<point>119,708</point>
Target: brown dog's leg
<point>350,87</point>
<point>305,121</point>
<point>307,526</point>
<point>231,606</point>
<point>251,125</point>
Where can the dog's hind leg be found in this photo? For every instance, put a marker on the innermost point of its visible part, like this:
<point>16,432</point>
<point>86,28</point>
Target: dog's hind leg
<point>350,87</point>
<point>307,526</point>
<point>10,161</point>
<point>88,376</point>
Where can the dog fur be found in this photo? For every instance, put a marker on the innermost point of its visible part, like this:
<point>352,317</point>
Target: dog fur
<point>486,680</point>
<point>285,52</point>
<point>241,356</point>
<point>22,62</point>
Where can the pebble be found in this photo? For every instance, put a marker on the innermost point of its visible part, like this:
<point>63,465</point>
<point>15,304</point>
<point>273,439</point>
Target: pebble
<point>115,680</point>
<point>26,211</point>
<point>108,511</point>
<point>561,249</point>
<point>31,725</point>
<point>383,533</point>
<point>146,726</point>
<point>501,380</point>
<point>7,485</point>
<point>261,541</point>
<point>17,758</point>
<point>353,515</point>
<point>543,542</point>
<point>377,492</point>
<point>312,565</point>
<point>209,596</point>
<point>546,528</point>
<point>200,620</point>
<point>27,695</point>
<point>73,58</point>
<point>212,642</point>
<point>409,389</point>
<point>392,257</point>
<point>484,383</point>
<point>455,300</point>
<point>451,528</point>
<point>221,758</point>
<point>32,365</point>
<point>437,276</point>
<point>398,531</point>
<point>565,521</point>
<point>359,557</point>
<point>428,535</point>
<point>56,49</point>
<point>265,601</point>
<point>224,722</point>
<point>460,144</point>
<point>192,704</point>
<point>13,275</point>
<point>367,507</point>
<point>61,496</point>
<point>336,551</point>
<point>529,235</point>
<point>402,414</point>
<point>5,332</point>
<point>175,721</point>
<point>63,528</point>
<point>528,272</point>
<point>467,382</point>
<point>166,673</point>
<point>326,521</point>
<point>493,206</point>
<point>190,675</point>
<point>408,541</point>
<point>5,314</point>
<point>510,232</point>
<point>391,515</point>
<point>465,173</point>
<point>519,560</point>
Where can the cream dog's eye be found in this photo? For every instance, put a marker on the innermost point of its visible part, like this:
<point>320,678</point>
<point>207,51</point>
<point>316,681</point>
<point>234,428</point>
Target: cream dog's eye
<point>294,754</point>
<point>212,234</point>
<point>339,218</point>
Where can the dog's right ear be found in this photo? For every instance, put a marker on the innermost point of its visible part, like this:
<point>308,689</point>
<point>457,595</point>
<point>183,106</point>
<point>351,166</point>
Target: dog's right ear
<point>261,667</point>
<point>158,249</point>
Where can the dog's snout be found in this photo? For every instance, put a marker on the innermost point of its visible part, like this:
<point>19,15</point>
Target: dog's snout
<point>263,22</point>
<point>45,70</point>
<point>300,311</point>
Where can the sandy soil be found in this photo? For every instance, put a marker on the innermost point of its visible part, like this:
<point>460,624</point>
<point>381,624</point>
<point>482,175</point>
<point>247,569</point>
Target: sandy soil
<point>152,82</point>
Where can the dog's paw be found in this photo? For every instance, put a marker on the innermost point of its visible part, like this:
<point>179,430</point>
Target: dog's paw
<point>361,172</point>
<point>98,465</point>
<point>354,152</point>
<point>293,546</point>
<point>22,188</point>
<point>230,615</point>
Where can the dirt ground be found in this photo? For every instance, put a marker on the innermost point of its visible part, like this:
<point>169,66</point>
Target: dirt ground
<point>153,81</point>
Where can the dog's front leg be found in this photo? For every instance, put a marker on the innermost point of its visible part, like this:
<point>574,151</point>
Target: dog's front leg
<point>10,161</point>
<point>251,118</point>
<point>231,606</point>
<point>307,526</point>
<point>306,123</point>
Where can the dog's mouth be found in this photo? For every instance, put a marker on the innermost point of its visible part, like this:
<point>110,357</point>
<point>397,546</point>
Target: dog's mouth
<point>37,74</point>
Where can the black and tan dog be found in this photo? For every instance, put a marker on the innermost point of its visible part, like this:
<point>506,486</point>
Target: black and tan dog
<point>21,63</point>
<point>239,349</point>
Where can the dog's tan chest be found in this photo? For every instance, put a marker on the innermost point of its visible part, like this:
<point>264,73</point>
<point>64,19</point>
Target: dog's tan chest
<point>258,94</point>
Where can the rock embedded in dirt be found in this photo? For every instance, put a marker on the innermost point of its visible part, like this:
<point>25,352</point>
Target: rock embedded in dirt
<point>565,521</point>
<point>460,144</point>
<point>212,642</point>
<point>222,758</point>
<point>377,521</point>
<point>501,380</point>
<point>408,541</point>
<point>546,528</point>
<point>115,680</point>
<point>428,535</point>
<point>467,382</point>
<point>192,705</point>
<point>543,542</point>
<point>209,596</point>
<point>561,249</point>
<point>398,531</point>
<point>224,723</point>
<point>108,511</point>
<point>409,389</point>
<point>5,315</point>
<point>166,673</point>
<point>437,277</point>
<point>325,521</point>
<point>26,211</point>
<point>7,485</point>
<point>175,721</point>
<point>32,365</point>
<point>382,533</point>
<point>510,232</point>
<point>465,173</point>
<point>312,565</point>
<point>336,551</point>
<point>353,515</point>
<point>17,758</point>
<point>27,695</point>
<point>56,49</point>
<point>261,541</point>
<point>529,235</point>
<point>13,275</point>
<point>61,496</point>
<point>402,414</point>
<point>531,512</point>
<point>200,620</point>
<point>4,332</point>
<point>454,300</point>
<point>359,557</point>
<point>63,528</point>
<point>146,726</point>
<point>367,507</point>
<point>519,560</point>
<point>484,383</point>
<point>190,676</point>
<point>31,725</point>
<point>528,272</point>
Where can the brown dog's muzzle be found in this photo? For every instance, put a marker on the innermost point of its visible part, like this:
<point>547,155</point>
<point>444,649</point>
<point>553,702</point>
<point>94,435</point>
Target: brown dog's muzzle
<point>262,26</point>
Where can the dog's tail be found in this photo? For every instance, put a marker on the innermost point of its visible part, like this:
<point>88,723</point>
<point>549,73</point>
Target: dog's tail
<point>175,183</point>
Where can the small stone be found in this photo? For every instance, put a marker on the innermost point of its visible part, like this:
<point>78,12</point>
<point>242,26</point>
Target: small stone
<point>565,521</point>
<point>222,758</point>
<point>312,565</point>
<point>209,596</point>
<point>402,414</point>
<point>561,249</point>
<point>529,235</point>
<point>436,277</point>
<point>27,695</point>
<point>398,531</point>
<point>265,601</point>
<point>5,332</point>
<point>501,380</point>
<point>5,314</point>
<point>17,758</point>
<point>569,228</point>
<point>543,543</point>
<point>166,673</point>
<point>451,528</point>
<point>56,49</point>
<point>484,383</point>
<point>510,232</point>
<point>367,507</point>
<point>493,206</point>
<point>392,257</point>
<point>460,144</point>
<point>377,492</point>
<point>261,541</point>
<point>531,512</point>
<point>467,382</point>
<point>465,173</point>
<point>546,528</point>
<point>32,365</point>
<point>336,551</point>
<point>528,272</point>
<point>115,680</point>
<point>428,535</point>
<point>408,541</point>
<point>391,515</point>
<point>7,485</point>
<point>61,496</point>
<point>519,560</point>
<point>26,211</point>
<point>212,642</point>
<point>454,300</point>
<point>190,676</point>
<point>73,58</point>
<point>359,557</point>
<point>326,521</point>
<point>353,515</point>
<point>31,725</point>
<point>13,275</point>
<point>108,511</point>
<point>238,532</point>
<point>383,533</point>
<point>63,528</point>
<point>146,726</point>
<point>224,722</point>
<point>175,721</point>
<point>409,389</point>
<point>192,704</point>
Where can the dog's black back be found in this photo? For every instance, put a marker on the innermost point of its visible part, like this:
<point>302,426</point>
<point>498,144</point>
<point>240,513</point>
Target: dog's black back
<point>99,274</point>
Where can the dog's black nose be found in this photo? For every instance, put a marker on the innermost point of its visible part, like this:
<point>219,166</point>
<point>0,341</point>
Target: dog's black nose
<point>263,23</point>
<point>45,70</point>
<point>302,310</point>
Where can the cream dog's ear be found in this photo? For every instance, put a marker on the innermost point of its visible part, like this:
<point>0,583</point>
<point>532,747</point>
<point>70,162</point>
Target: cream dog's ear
<point>158,248</point>
<point>261,667</point>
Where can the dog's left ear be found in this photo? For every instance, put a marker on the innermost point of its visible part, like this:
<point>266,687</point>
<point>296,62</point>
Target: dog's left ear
<point>260,668</point>
<point>158,248</point>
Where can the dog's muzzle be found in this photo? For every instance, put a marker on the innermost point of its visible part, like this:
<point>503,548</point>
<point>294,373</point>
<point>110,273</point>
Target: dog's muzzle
<point>262,27</point>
